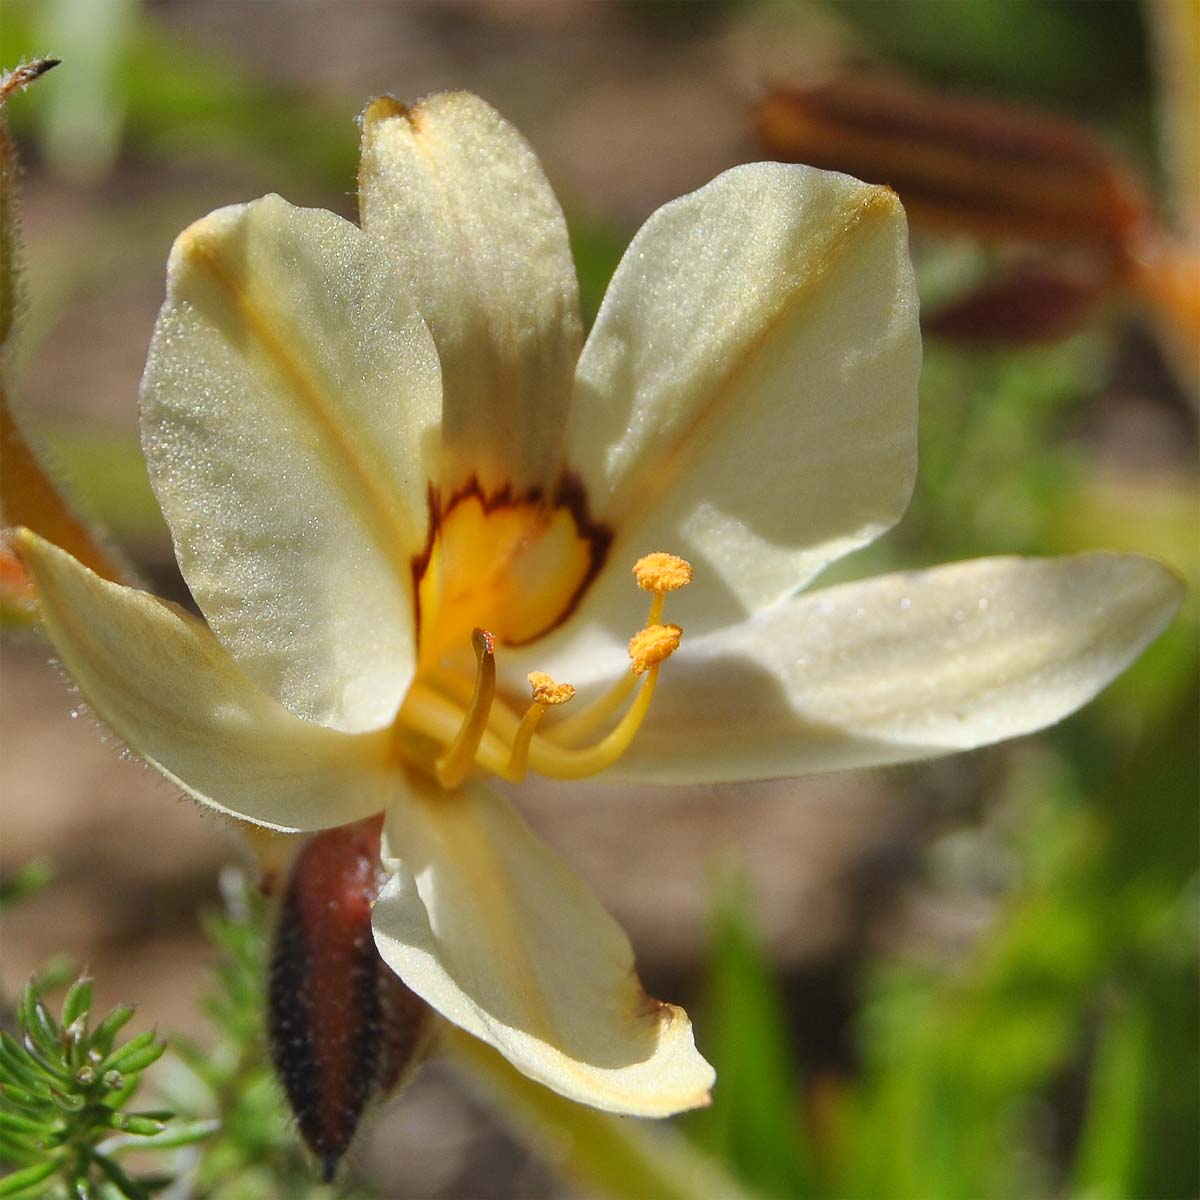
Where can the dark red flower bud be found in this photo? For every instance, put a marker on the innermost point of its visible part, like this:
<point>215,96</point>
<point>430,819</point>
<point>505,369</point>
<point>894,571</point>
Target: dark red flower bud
<point>344,1030</point>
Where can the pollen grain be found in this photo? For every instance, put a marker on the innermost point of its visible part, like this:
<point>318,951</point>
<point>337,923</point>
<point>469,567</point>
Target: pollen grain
<point>547,692</point>
<point>659,572</point>
<point>653,645</point>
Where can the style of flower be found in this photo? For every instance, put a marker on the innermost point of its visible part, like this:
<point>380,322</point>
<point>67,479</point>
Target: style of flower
<point>407,497</point>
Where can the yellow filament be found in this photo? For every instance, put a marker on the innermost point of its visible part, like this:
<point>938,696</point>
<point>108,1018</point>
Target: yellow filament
<point>501,720</point>
<point>436,717</point>
<point>579,725</point>
<point>546,694</point>
<point>440,719</point>
<point>573,729</point>
<point>560,763</point>
<point>518,760</point>
<point>452,767</point>
<point>488,734</point>
<point>429,713</point>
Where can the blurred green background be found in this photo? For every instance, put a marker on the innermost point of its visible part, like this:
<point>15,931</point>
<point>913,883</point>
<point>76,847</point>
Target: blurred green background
<point>973,979</point>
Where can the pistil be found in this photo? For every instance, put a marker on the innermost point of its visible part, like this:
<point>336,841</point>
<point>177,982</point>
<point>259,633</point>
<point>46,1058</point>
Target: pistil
<point>452,767</point>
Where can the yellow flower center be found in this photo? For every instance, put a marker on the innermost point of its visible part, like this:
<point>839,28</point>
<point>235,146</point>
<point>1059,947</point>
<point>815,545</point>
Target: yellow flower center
<point>515,567</point>
<point>501,573</point>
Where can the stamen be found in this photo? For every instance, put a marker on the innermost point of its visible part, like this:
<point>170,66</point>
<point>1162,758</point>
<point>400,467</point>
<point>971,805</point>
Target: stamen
<point>659,572</point>
<point>558,763</point>
<point>546,694</point>
<point>573,729</point>
<point>490,736</point>
<point>653,645</point>
<point>452,767</point>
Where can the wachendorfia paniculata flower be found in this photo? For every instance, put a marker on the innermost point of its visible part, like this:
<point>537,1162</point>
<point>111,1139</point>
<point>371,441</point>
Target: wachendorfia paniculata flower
<point>441,543</point>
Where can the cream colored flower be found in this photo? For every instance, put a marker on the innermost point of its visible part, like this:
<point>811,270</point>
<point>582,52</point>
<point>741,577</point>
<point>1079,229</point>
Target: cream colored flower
<point>407,498</point>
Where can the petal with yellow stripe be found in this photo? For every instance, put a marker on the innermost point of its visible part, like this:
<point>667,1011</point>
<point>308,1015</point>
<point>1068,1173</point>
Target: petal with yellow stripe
<point>486,925</point>
<point>289,417</point>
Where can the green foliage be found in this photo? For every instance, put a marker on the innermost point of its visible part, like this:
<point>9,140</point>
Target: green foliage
<point>168,97</point>
<point>25,881</point>
<point>1057,54</point>
<point>1060,1057</point>
<point>256,1155</point>
<point>65,1088</point>
<point>81,118</point>
<point>756,1121</point>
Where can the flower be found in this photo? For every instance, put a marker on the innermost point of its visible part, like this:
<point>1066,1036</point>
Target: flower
<point>407,498</point>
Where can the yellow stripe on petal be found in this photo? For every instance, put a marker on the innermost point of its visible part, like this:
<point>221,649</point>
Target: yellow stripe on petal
<point>290,410</point>
<point>485,924</point>
<point>748,395</point>
<point>458,199</point>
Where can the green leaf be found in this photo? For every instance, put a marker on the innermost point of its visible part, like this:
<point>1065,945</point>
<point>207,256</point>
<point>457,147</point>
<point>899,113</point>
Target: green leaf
<point>184,1133</point>
<point>139,1126</point>
<point>17,1095</point>
<point>155,1114</point>
<point>125,1089</point>
<point>50,1069</point>
<point>15,1123</point>
<point>18,1065</point>
<point>56,973</point>
<point>17,1151</point>
<point>1107,1159</point>
<point>68,1102</point>
<point>755,1120</point>
<point>38,1024</point>
<point>137,1054</point>
<point>22,1182</point>
<point>106,1032</point>
<point>77,1001</point>
<point>33,876</point>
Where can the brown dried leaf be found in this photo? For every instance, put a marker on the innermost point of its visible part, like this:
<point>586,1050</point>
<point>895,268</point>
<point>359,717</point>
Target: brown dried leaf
<point>962,164</point>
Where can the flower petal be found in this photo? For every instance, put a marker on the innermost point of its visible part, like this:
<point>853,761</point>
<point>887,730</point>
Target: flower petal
<point>458,198</point>
<point>747,398</point>
<point>287,408</point>
<point>159,679</point>
<point>485,924</point>
<point>902,667</point>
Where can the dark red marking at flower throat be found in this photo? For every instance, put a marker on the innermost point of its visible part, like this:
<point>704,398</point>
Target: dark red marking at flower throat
<point>569,494</point>
<point>342,1026</point>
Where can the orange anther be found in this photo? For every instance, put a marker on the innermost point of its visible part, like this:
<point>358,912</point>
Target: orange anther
<point>661,572</point>
<point>653,645</point>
